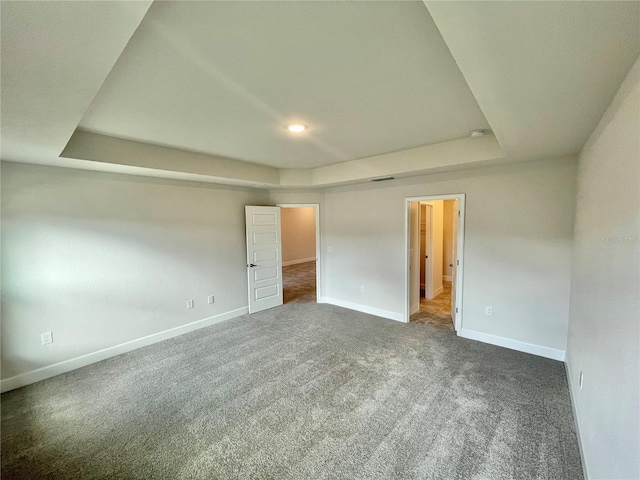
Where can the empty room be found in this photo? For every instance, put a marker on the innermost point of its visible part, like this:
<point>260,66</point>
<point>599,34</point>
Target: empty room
<point>320,240</point>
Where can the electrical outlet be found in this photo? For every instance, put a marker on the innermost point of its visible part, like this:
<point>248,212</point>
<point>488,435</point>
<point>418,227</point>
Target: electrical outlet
<point>488,310</point>
<point>362,288</point>
<point>581,380</point>
<point>211,299</point>
<point>46,338</point>
<point>189,303</point>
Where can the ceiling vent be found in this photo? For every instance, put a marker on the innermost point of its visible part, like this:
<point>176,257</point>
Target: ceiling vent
<point>382,179</point>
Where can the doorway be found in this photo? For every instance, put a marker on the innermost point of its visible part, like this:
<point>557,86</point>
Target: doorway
<point>435,236</point>
<point>300,246</point>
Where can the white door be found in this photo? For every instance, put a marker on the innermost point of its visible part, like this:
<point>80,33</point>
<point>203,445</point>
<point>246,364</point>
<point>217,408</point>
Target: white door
<point>264,257</point>
<point>454,262</point>
<point>427,220</point>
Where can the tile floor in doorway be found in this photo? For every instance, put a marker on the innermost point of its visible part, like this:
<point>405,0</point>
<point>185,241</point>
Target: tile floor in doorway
<point>299,286</point>
<point>299,283</point>
<point>437,311</point>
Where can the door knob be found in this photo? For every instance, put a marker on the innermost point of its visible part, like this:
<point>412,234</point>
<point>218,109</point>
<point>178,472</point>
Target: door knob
<point>451,265</point>
<point>253,265</point>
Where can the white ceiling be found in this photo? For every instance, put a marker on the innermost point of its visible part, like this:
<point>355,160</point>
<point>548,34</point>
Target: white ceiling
<point>55,56</point>
<point>369,78</point>
<point>225,78</point>
<point>542,72</point>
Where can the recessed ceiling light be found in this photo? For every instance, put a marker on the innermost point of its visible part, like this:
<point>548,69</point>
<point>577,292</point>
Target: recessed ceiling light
<point>477,133</point>
<point>296,128</point>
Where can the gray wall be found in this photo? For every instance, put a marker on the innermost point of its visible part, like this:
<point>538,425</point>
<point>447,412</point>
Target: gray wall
<point>604,329</point>
<point>101,259</point>
<point>518,245</point>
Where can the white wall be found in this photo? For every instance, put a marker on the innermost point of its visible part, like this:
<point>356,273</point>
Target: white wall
<point>298,234</point>
<point>604,328</point>
<point>101,259</point>
<point>519,222</point>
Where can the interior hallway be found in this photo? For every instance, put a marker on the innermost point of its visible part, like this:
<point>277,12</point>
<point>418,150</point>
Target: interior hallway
<point>437,311</point>
<point>299,283</point>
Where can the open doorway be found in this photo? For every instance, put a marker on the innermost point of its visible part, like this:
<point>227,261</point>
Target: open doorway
<point>435,235</point>
<point>300,246</point>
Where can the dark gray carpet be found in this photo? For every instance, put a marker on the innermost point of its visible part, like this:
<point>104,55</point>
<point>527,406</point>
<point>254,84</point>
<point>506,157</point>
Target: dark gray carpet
<point>302,391</point>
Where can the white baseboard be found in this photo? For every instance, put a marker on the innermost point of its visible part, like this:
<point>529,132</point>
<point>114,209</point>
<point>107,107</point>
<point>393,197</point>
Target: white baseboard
<point>447,278</point>
<point>576,421</point>
<point>49,371</point>
<point>539,350</point>
<point>295,262</point>
<point>437,292</point>
<point>398,317</point>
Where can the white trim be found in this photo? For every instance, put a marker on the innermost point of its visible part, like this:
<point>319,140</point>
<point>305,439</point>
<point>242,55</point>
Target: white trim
<point>437,292</point>
<point>65,366</point>
<point>461,197</point>
<point>547,352</point>
<point>363,308</point>
<point>318,257</point>
<point>415,308</point>
<point>447,278</point>
<point>576,422</point>
<point>295,262</point>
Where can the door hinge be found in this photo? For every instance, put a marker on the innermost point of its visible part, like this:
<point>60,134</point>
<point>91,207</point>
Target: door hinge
<point>457,262</point>
<point>458,212</point>
<point>456,309</point>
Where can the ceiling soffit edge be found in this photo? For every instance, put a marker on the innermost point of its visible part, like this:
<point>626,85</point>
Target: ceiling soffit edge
<point>91,147</point>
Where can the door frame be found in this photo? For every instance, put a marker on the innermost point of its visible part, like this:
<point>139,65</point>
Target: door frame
<point>318,250</point>
<point>461,197</point>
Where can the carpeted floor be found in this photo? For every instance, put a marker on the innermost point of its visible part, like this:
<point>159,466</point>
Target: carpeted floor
<point>302,391</point>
